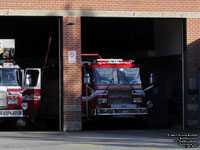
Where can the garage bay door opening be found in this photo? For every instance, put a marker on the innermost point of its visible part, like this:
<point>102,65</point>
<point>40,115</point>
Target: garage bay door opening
<point>157,45</point>
<point>37,46</point>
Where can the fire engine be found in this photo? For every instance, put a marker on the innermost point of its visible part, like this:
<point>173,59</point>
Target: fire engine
<point>113,87</point>
<point>19,88</point>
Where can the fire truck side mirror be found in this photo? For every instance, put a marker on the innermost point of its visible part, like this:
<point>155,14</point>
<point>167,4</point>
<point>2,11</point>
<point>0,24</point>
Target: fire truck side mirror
<point>152,78</point>
<point>28,80</point>
<point>87,79</point>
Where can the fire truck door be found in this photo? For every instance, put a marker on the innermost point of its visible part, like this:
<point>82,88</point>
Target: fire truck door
<point>32,93</point>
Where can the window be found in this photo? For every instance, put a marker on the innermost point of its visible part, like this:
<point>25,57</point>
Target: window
<point>129,76</point>
<point>9,77</point>
<point>34,74</point>
<point>105,76</point>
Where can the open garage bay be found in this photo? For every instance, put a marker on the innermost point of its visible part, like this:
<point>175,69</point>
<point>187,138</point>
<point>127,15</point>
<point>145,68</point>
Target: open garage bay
<point>157,45</point>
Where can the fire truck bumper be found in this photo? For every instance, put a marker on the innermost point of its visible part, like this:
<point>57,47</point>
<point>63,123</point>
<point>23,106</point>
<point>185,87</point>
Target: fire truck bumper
<point>12,113</point>
<point>121,111</point>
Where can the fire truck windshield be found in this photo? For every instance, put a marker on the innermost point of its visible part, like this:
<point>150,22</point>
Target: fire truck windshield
<point>9,77</point>
<point>105,76</point>
<point>129,76</point>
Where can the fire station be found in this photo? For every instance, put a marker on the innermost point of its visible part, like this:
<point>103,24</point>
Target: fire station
<point>162,36</point>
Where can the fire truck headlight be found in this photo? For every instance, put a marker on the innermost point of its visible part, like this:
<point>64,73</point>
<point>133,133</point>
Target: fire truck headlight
<point>137,100</point>
<point>149,104</point>
<point>102,100</point>
<point>24,106</point>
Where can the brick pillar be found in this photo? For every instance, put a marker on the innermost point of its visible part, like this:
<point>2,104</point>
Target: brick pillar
<point>72,74</point>
<point>193,63</point>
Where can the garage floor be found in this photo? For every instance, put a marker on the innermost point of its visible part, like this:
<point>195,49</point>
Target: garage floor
<point>93,140</point>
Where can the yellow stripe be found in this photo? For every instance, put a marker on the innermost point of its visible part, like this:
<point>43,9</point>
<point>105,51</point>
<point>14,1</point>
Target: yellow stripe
<point>148,148</point>
<point>84,145</point>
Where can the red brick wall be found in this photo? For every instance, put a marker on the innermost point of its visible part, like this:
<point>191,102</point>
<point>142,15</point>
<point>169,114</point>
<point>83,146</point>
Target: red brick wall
<point>72,74</point>
<point>72,39</point>
<point>103,5</point>
<point>193,63</point>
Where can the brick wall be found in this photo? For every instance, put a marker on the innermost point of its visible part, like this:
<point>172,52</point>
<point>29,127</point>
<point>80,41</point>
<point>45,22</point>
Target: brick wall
<point>72,74</point>
<point>193,63</point>
<point>72,41</point>
<point>104,5</point>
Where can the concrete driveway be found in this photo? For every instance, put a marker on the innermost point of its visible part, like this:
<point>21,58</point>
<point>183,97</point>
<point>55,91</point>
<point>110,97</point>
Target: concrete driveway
<point>96,140</point>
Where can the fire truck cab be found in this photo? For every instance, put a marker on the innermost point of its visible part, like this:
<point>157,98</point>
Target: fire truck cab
<point>113,87</point>
<point>19,88</point>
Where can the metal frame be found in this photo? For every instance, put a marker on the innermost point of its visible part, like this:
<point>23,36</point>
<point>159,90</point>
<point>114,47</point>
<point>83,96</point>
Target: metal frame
<point>198,77</point>
<point>131,111</point>
<point>13,113</point>
<point>183,72</point>
<point>60,72</point>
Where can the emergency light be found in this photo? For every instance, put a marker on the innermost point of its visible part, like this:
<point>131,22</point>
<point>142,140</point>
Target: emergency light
<point>7,63</point>
<point>113,61</point>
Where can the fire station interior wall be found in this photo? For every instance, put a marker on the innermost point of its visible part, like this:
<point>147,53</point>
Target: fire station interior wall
<point>156,44</point>
<point>31,36</point>
<point>167,37</point>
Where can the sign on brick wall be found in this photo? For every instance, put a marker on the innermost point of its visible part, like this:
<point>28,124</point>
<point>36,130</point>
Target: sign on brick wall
<point>72,56</point>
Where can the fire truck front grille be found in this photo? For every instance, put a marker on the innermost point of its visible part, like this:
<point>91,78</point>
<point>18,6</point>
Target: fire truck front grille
<point>119,97</point>
<point>3,100</point>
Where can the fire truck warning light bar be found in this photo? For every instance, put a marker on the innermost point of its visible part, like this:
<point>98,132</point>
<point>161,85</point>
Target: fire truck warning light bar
<point>114,61</point>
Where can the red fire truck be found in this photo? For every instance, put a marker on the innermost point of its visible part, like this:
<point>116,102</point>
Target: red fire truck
<point>113,87</point>
<point>19,88</point>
